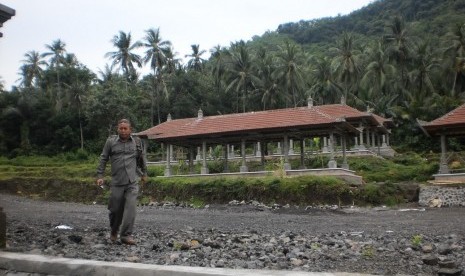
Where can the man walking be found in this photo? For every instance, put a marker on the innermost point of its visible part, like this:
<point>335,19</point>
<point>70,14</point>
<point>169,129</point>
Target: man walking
<point>128,163</point>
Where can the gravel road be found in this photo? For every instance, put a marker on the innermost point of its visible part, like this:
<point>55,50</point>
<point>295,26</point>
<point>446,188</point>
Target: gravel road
<point>386,241</point>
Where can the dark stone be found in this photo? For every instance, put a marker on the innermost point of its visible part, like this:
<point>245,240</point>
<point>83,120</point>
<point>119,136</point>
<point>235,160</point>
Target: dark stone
<point>430,260</point>
<point>447,264</point>
<point>450,272</point>
<point>444,249</point>
<point>75,238</point>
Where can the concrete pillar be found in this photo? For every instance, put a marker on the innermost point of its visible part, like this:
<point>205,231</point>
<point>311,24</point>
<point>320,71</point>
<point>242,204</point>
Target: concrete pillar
<point>226,155</point>
<point>373,141</point>
<point>302,154</point>
<point>168,171</point>
<point>198,157</point>
<point>355,147</point>
<point>384,141</point>
<point>204,168</point>
<point>361,146</point>
<point>367,138</point>
<point>345,165</point>
<point>244,163</point>
<point>443,167</point>
<point>325,145</point>
<point>287,165</point>
<point>191,160</point>
<point>291,146</point>
<point>278,149</point>
<point>262,155</point>
<point>259,150</point>
<point>171,153</point>
<point>231,153</point>
<point>332,162</point>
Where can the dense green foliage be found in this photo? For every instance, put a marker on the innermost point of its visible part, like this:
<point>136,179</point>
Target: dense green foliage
<point>401,59</point>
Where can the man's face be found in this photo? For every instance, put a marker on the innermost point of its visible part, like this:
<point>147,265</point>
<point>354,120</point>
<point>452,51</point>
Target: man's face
<point>124,131</point>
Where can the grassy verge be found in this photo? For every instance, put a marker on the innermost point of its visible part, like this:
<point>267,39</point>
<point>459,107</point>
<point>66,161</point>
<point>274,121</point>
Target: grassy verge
<point>71,178</point>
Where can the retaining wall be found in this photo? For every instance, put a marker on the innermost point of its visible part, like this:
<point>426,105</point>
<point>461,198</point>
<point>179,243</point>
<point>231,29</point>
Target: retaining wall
<point>442,195</point>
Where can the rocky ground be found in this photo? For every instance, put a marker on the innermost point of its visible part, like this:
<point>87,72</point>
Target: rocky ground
<point>387,241</point>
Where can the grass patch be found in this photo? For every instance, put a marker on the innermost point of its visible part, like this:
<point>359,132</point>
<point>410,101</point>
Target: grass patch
<point>65,177</point>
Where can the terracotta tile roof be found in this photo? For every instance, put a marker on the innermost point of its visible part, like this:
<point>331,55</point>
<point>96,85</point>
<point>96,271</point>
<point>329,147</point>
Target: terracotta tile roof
<point>451,123</point>
<point>261,121</point>
<point>456,116</point>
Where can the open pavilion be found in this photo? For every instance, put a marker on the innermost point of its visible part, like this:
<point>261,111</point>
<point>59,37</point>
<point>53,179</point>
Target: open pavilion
<point>451,124</point>
<point>333,123</point>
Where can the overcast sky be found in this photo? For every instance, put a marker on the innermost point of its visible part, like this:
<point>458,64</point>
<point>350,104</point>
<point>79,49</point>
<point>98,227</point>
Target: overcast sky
<point>87,26</point>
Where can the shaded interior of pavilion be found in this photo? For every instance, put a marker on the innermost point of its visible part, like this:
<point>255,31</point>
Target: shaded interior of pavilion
<point>336,135</point>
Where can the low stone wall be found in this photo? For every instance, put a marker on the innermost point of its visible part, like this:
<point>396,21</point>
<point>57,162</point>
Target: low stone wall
<point>442,195</point>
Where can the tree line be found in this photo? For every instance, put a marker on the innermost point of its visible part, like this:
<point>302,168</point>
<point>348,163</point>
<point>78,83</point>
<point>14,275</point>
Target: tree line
<point>60,105</point>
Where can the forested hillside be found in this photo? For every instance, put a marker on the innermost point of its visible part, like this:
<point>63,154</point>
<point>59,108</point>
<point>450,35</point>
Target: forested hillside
<point>426,18</point>
<point>402,59</point>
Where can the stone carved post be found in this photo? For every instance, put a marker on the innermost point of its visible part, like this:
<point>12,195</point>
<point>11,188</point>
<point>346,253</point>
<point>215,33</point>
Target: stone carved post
<point>384,141</point>
<point>361,145</point>
<point>171,153</point>
<point>191,160</point>
<point>332,162</point>
<point>302,154</point>
<point>443,167</point>
<point>373,141</point>
<point>168,160</point>
<point>244,163</point>
<point>291,146</point>
<point>325,145</point>
<point>287,165</point>
<point>355,147</point>
<point>204,168</point>
<point>198,157</point>
<point>226,155</point>
<point>259,150</point>
<point>231,153</point>
<point>262,155</point>
<point>367,138</point>
<point>345,165</point>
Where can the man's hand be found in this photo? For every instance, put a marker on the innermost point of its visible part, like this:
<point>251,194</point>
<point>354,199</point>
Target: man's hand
<point>100,182</point>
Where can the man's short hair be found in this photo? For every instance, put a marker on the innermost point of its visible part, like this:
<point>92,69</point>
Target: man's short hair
<point>125,121</point>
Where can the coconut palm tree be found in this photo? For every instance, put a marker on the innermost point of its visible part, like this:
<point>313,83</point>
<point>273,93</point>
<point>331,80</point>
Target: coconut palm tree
<point>268,87</point>
<point>324,87</point>
<point>156,50</point>
<point>56,52</point>
<point>196,61</point>
<point>425,64</point>
<point>454,57</point>
<point>241,73</point>
<point>289,71</point>
<point>76,92</point>
<point>31,70</point>
<point>378,80</point>
<point>346,63</point>
<point>218,65</point>
<point>124,55</point>
<point>157,54</point>
<point>400,45</point>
